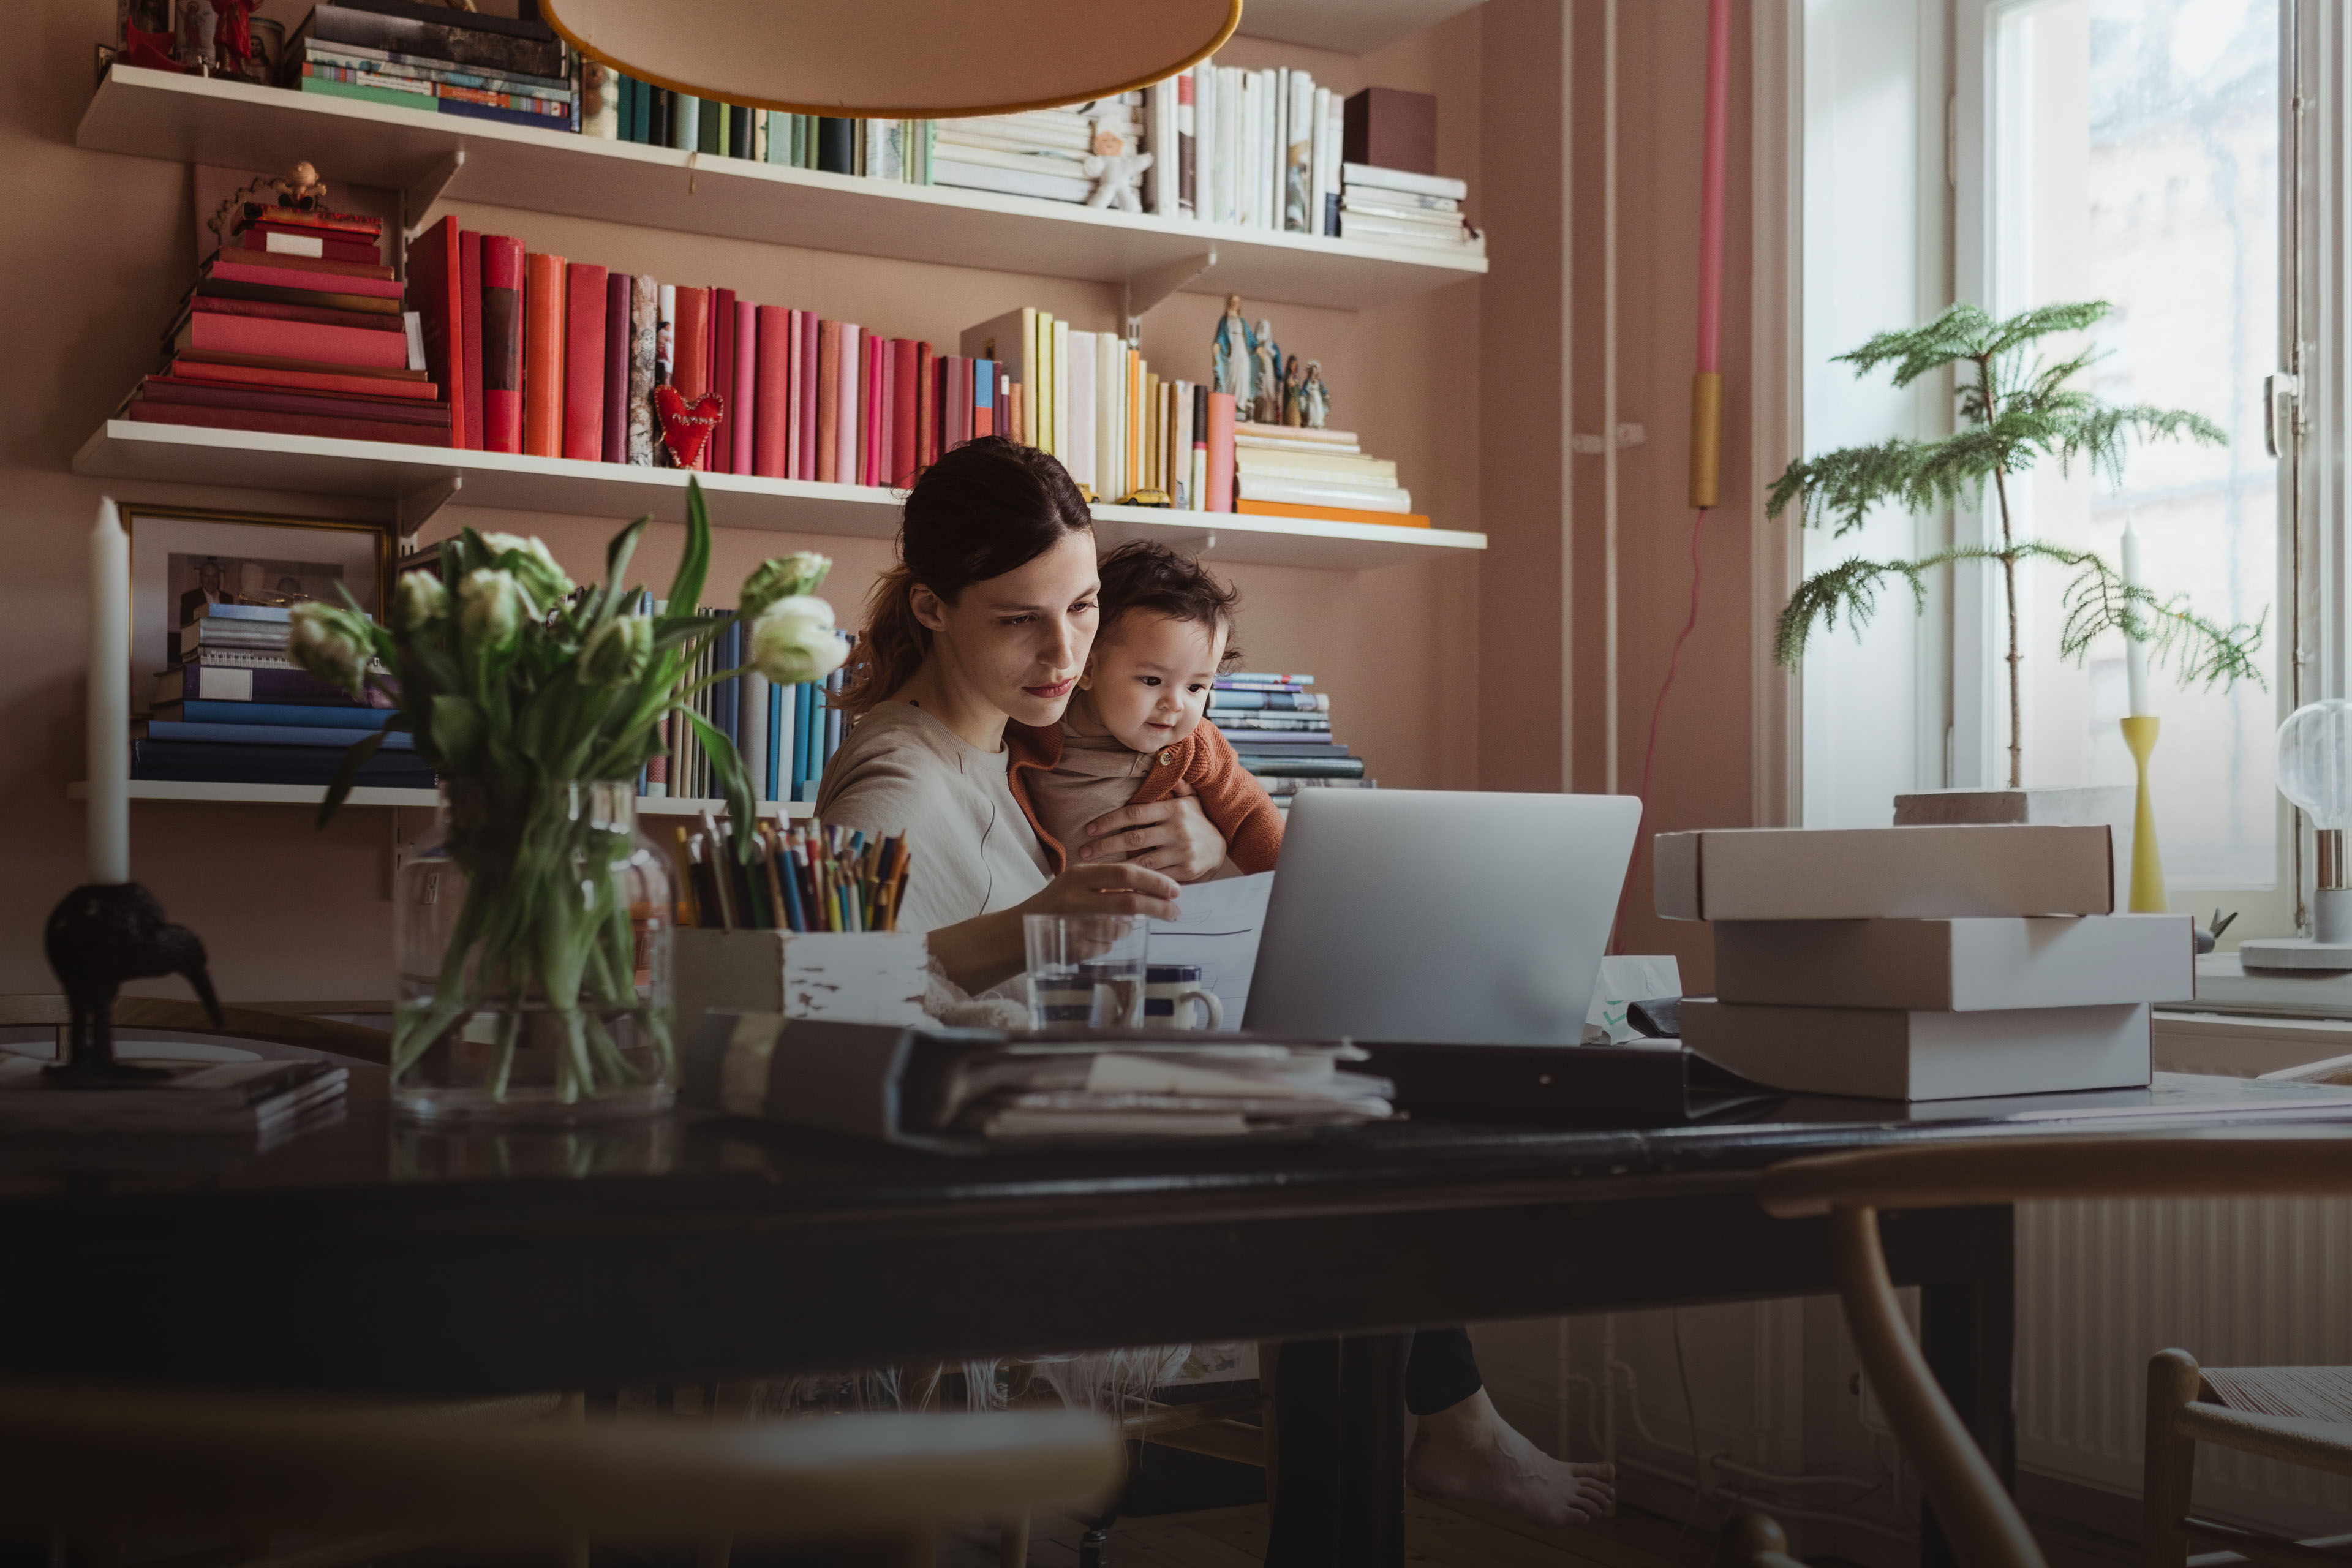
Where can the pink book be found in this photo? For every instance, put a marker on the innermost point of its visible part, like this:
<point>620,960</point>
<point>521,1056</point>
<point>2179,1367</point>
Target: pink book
<point>885,413</point>
<point>877,401</point>
<point>807,336</point>
<point>585,298</point>
<point>846,386</point>
<point>740,417</point>
<point>772,402</point>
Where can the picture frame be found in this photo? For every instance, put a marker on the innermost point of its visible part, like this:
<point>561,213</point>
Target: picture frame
<point>176,548</point>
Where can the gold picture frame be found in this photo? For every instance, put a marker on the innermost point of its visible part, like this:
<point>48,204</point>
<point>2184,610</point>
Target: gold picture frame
<point>169,540</point>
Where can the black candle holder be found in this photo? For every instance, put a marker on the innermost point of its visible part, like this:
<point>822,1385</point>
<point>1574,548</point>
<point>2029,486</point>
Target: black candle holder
<point>99,936</point>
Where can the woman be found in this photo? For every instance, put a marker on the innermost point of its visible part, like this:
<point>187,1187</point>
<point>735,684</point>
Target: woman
<point>973,644</point>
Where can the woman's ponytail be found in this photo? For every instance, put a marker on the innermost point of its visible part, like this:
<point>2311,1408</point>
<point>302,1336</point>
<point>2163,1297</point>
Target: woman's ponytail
<point>989,507</point>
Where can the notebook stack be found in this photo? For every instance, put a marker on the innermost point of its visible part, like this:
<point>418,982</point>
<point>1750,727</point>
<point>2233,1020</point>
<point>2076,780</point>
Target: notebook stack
<point>1281,728</point>
<point>295,326</point>
<point>1038,153</point>
<point>233,709</point>
<point>1922,963</point>
<point>1398,206</point>
<point>437,58</point>
<point>1288,470</point>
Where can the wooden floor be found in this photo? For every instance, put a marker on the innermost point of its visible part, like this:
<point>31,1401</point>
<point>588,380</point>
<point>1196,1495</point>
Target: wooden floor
<point>1436,1536</point>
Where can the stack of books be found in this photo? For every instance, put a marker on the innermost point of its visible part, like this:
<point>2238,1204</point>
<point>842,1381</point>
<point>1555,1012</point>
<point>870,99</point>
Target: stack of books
<point>233,709</point>
<point>899,151</point>
<point>437,58</point>
<point>1285,471</point>
<point>1037,153</point>
<point>1248,149</point>
<point>1396,206</point>
<point>1281,728</point>
<point>1922,963</point>
<point>784,734</point>
<point>294,326</point>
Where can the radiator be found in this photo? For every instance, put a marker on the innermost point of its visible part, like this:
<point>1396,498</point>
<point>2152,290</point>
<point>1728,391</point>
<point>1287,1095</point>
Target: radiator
<point>2101,1286</point>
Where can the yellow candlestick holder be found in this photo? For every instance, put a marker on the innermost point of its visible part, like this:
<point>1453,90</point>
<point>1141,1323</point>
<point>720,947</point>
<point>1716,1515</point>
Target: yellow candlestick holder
<point>2147,863</point>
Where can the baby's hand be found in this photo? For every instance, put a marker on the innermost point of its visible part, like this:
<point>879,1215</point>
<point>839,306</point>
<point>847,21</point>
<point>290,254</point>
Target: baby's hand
<point>1173,836</point>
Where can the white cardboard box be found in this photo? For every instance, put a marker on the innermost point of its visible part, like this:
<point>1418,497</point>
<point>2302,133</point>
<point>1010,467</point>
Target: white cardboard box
<point>1878,873</point>
<point>874,977</point>
<point>1969,966</point>
<point>1888,1055</point>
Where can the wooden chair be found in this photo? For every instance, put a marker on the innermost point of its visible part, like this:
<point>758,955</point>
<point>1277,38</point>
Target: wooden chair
<point>1976,1510</point>
<point>112,1460</point>
<point>237,1023</point>
<point>1753,1539</point>
<point>2297,1415</point>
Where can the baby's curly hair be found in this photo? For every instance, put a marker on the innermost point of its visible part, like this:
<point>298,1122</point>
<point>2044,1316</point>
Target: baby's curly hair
<point>1145,575</point>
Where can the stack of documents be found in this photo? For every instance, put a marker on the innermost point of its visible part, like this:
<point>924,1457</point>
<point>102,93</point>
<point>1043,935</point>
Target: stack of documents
<point>235,1097</point>
<point>1143,1089</point>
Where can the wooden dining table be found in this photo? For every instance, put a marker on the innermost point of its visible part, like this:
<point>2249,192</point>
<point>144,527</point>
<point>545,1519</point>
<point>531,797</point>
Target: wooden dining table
<point>367,1256</point>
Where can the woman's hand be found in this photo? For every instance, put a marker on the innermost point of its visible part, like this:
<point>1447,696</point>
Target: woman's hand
<point>1174,836</point>
<point>1112,890</point>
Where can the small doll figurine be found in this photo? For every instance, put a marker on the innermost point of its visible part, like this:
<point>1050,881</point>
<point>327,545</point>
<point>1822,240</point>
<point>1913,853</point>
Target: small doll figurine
<point>1294,382</point>
<point>1314,397</point>
<point>235,38</point>
<point>1266,382</point>
<point>1115,171</point>
<point>301,187</point>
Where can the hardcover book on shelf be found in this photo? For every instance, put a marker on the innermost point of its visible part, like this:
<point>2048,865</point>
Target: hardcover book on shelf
<point>542,367</point>
<point>502,335</point>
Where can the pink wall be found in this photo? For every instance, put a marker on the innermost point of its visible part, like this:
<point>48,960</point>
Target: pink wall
<point>290,912</point>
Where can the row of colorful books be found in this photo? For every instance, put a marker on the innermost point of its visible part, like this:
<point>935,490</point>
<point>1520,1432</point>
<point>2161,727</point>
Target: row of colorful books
<point>651,116</point>
<point>784,734</point>
<point>438,59</point>
<point>294,326</point>
<point>1280,726</point>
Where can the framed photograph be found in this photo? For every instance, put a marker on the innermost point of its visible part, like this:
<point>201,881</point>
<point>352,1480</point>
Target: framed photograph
<point>182,556</point>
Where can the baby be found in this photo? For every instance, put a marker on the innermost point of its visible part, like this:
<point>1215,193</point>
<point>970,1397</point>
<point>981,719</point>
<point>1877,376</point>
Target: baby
<point>1133,731</point>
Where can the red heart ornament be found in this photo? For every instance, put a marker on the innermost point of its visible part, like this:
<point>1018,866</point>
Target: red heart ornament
<point>687,427</point>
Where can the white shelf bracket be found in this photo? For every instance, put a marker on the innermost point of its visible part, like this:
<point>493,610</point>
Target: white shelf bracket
<point>412,512</point>
<point>1140,293</point>
<point>1593,445</point>
<point>418,199</point>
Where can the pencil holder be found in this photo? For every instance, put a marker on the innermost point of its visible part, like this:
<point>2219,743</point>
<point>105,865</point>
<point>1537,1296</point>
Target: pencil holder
<point>876,977</point>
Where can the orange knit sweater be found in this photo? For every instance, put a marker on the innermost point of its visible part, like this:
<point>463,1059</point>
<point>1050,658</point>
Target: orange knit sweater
<point>1232,799</point>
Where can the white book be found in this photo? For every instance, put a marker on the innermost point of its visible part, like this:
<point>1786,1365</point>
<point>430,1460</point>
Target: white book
<point>1281,146</point>
<point>1178,464</point>
<point>1206,143</point>
<point>1062,389</point>
<point>1882,1053</point>
<point>1320,164</point>
<point>950,171</point>
<point>1279,444</point>
<point>1045,163</point>
<point>1349,466</point>
<point>1325,492</point>
<point>1443,223</point>
<point>1080,457</point>
<point>1233,95</point>
<point>1270,169</point>
<point>1059,130</point>
<point>1199,478</point>
<point>1058,160</point>
<point>785,757</point>
<point>1299,156</point>
<point>1335,132</point>
<point>883,150</point>
<point>754,728</point>
<point>1108,352</point>
<point>1386,231</point>
<point>1244,142</point>
<point>1159,141</point>
<point>1403,180</point>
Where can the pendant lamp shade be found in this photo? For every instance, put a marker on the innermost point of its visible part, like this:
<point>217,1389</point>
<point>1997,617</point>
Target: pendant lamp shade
<point>897,59</point>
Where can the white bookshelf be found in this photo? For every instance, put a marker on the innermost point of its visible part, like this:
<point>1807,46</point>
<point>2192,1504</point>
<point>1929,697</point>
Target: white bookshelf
<point>311,794</point>
<point>426,156</point>
<point>411,479</point>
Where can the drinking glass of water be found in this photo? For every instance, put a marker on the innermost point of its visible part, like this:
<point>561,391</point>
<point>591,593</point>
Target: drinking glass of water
<point>1087,969</point>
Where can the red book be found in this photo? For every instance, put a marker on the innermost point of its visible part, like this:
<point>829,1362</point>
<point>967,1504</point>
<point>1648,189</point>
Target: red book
<point>771,419</point>
<point>586,290</point>
<point>185,368</point>
<point>437,279</point>
<point>215,395</point>
<point>904,380</point>
<point>470,364</point>
<point>805,336</point>
<point>542,357</point>
<point>318,425</point>
<point>743,404</point>
<point>501,344</point>
<point>617,367</point>
<point>325,347</point>
<point>1220,451</point>
<point>828,392</point>
<point>689,369</point>
<point>721,361</point>
<point>873,401</point>
<point>315,247</point>
<point>926,368</point>
<point>957,399</point>
<point>308,272</point>
<point>279,310</point>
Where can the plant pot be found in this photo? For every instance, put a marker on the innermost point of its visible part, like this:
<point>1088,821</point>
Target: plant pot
<point>533,960</point>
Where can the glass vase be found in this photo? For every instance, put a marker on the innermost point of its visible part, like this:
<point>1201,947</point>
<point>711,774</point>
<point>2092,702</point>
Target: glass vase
<point>533,943</point>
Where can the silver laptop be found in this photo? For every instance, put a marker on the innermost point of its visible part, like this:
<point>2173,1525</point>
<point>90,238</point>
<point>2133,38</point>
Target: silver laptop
<point>1440,916</point>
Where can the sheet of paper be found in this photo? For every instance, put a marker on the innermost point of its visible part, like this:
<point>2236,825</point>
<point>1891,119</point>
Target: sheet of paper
<point>1626,979</point>
<point>1217,927</point>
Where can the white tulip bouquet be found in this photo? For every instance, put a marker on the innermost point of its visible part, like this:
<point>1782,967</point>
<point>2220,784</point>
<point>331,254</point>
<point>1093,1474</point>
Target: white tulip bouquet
<point>517,686</point>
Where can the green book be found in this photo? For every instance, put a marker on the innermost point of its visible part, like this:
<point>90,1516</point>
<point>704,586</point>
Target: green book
<point>423,104</point>
<point>710,127</point>
<point>780,136</point>
<point>684,116</point>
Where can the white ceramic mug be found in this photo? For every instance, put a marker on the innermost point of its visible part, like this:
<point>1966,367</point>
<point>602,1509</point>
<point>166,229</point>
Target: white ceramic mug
<point>1174,998</point>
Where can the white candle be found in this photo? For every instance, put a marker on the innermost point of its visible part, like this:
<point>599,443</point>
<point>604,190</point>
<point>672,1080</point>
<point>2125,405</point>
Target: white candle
<point>109,702</point>
<point>2135,652</point>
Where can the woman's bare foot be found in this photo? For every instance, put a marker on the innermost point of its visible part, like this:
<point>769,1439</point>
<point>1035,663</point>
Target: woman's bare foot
<point>1468,1453</point>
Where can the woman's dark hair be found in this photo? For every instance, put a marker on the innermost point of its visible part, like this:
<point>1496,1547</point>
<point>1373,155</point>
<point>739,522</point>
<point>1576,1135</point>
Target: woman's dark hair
<point>987,508</point>
<point>1144,576</point>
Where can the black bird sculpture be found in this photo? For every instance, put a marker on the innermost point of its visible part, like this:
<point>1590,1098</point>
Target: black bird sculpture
<point>99,937</point>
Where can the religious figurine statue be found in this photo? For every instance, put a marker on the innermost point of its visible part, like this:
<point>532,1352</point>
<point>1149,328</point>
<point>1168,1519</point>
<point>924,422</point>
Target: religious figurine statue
<point>235,46</point>
<point>1230,357</point>
<point>1265,376</point>
<point>1293,381</point>
<point>1114,170</point>
<point>1314,397</point>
